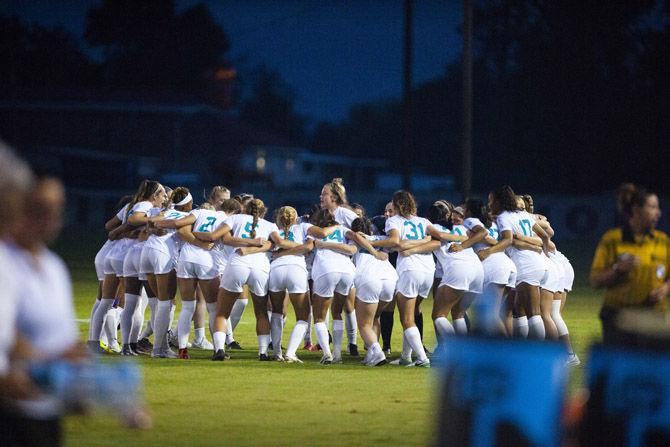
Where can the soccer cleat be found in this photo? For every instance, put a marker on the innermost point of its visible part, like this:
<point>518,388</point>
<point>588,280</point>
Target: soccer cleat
<point>337,359</point>
<point>387,352</point>
<point>140,349</point>
<point>173,341</point>
<point>220,356</point>
<point>128,350</point>
<point>421,363</point>
<point>94,347</point>
<point>136,350</point>
<point>326,360</point>
<point>376,360</point>
<point>165,354</point>
<point>113,348</point>
<point>183,354</point>
<point>401,361</point>
<point>278,358</point>
<point>263,358</point>
<point>353,350</point>
<point>573,360</point>
<point>292,359</point>
<point>203,344</point>
<point>145,344</point>
<point>234,345</point>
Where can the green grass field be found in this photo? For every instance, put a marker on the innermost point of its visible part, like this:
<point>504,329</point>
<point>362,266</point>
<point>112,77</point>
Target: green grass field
<point>247,402</point>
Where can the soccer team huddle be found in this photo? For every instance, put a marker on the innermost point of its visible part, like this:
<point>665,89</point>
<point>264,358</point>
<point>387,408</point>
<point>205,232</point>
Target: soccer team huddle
<point>493,267</point>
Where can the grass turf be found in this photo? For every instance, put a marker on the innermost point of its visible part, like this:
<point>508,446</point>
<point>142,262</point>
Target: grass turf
<point>247,402</point>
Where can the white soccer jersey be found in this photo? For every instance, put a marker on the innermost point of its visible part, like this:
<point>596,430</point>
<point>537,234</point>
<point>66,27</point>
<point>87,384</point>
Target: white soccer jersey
<point>445,257</point>
<point>344,216</point>
<point>413,228</point>
<point>298,234</point>
<point>328,261</point>
<point>241,226</point>
<point>492,232</point>
<point>521,222</point>
<point>168,243</point>
<point>368,267</point>
<point>206,221</point>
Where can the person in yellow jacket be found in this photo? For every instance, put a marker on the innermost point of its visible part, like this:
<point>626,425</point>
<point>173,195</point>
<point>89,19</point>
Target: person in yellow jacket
<point>631,262</point>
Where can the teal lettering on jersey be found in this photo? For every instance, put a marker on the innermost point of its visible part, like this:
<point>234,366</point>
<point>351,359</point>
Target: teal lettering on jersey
<point>247,231</point>
<point>493,232</point>
<point>208,226</point>
<point>173,215</point>
<point>335,236</point>
<point>526,227</point>
<point>415,231</point>
<point>457,231</point>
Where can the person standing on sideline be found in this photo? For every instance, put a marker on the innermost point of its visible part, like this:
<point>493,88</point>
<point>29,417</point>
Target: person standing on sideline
<point>631,262</point>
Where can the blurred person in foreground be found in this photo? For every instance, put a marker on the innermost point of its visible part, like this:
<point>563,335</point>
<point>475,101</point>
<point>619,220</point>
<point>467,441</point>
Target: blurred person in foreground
<point>631,263</point>
<point>15,180</point>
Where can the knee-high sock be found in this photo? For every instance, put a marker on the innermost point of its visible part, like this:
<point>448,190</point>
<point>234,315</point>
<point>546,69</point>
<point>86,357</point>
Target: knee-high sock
<point>127,316</point>
<point>111,325</point>
<point>414,339</point>
<point>558,318</point>
<point>149,327</point>
<point>90,320</point>
<point>219,340</point>
<point>418,319</point>
<point>238,310</point>
<point>386,323</point>
<point>443,328</point>
<point>211,313</point>
<point>184,322</point>
<point>406,348</point>
<point>352,326</point>
<point>460,326</point>
<point>536,329</point>
<point>310,325</point>
<point>520,327</point>
<point>173,307</point>
<point>99,316</point>
<point>162,324</point>
<point>138,319</point>
<point>322,337</point>
<point>277,331</point>
<point>338,335</point>
<point>296,337</point>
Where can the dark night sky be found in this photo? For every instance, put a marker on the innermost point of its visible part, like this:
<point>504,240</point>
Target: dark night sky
<point>333,54</point>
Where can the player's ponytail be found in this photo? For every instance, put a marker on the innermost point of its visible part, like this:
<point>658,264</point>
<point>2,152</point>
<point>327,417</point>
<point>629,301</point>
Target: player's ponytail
<point>286,217</point>
<point>337,190</point>
<point>256,209</point>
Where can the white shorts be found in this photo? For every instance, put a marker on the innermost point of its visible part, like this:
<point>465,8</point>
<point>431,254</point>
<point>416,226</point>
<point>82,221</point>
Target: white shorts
<point>374,290</point>
<point>464,275</point>
<point>131,263</point>
<point>330,283</point>
<point>533,277</point>
<point>236,276</point>
<point>113,267</point>
<point>499,269</point>
<point>568,271</point>
<point>553,280</point>
<point>413,283</point>
<point>288,277</point>
<point>100,260</point>
<point>156,262</point>
<point>188,270</point>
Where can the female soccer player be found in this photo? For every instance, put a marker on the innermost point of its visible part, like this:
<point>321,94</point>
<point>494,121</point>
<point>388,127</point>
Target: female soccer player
<point>334,199</point>
<point>154,197</point>
<point>415,272</point>
<point>288,274</point>
<point>375,282</point>
<point>250,266</point>
<point>531,268</point>
<point>148,194</point>
<point>499,270</point>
